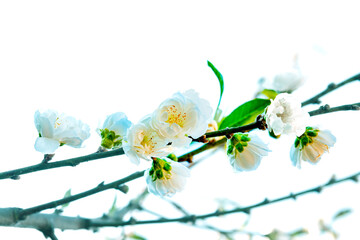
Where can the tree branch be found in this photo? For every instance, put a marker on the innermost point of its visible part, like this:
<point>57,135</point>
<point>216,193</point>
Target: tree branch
<point>9,216</point>
<point>101,187</point>
<point>72,162</point>
<point>327,109</point>
<point>193,218</point>
<point>331,87</point>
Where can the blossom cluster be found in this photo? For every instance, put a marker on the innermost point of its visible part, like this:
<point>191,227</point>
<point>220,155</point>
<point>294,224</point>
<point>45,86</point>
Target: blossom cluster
<point>173,125</point>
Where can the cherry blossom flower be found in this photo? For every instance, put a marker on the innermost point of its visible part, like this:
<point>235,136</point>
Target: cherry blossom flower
<point>166,177</point>
<point>114,130</point>
<point>286,81</point>
<point>143,142</point>
<point>245,151</point>
<point>285,116</point>
<point>182,116</point>
<point>311,146</point>
<point>56,130</point>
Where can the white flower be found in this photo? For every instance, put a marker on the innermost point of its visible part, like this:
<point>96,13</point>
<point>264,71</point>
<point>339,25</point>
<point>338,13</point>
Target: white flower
<point>143,141</point>
<point>166,177</point>
<point>311,146</point>
<point>114,130</point>
<point>182,116</point>
<point>285,116</point>
<point>245,151</point>
<point>56,130</point>
<point>286,81</point>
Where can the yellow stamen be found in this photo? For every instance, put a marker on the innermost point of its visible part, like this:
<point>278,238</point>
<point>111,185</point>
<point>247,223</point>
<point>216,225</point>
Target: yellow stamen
<point>174,116</point>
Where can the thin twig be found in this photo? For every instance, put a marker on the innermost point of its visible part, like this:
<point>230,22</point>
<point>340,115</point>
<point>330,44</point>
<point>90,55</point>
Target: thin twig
<point>8,215</point>
<point>72,162</point>
<point>331,87</point>
<point>101,187</point>
<point>193,218</point>
<point>327,109</point>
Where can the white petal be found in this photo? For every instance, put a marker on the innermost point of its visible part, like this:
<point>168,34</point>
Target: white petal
<point>295,155</point>
<point>46,145</point>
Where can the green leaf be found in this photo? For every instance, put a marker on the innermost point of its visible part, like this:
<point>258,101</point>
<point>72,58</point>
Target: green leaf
<point>299,232</point>
<point>271,94</point>
<point>342,213</point>
<point>221,82</point>
<point>245,113</point>
<point>135,236</point>
<point>67,194</point>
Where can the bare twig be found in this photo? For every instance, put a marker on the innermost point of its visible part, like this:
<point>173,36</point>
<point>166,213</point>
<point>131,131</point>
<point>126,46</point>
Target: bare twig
<point>101,187</point>
<point>331,87</point>
<point>193,218</point>
<point>72,162</point>
<point>327,109</point>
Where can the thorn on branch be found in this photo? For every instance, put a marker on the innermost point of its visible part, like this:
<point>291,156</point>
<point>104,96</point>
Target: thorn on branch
<point>318,189</point>
<point>355,178</point>
<point>132,221</point>
<point>266,201</point>
<point>292,196</point>
<point>246,210</point>
<point>332,180</point>
<point>101,184</point>
<point>15,177</point>
<point>48,233</point>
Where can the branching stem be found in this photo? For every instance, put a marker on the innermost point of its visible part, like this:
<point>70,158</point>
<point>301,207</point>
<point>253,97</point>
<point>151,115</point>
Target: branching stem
<point>327,109</point>
<point>331,87</point>
<point>193,218</point>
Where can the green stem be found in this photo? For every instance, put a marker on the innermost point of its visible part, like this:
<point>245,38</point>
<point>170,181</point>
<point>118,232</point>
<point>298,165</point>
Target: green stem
<point>331,87</point>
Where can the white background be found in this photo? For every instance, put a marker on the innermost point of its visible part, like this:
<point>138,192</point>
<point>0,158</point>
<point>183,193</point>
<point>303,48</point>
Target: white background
<point>92,58</point>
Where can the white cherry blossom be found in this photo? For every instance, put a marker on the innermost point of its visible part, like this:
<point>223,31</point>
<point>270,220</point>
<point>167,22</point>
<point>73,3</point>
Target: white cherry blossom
<point>285,116</point>
<point>245,151</point>
<point>166,177</point>
<point>311,146</point>
<point>114,130</point>
<point>143,142</point>
<point>56,130</point>
<point>182,116</point>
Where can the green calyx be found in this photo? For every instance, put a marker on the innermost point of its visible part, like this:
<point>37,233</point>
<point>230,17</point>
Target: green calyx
<point>239,141</point>
<point>110,139</point>
<point>306,138</point>
<point>160,169</point>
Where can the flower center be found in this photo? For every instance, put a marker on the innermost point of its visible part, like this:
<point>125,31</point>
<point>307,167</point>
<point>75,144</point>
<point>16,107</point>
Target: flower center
<point>160,169</point>
<point>58,122</point>
<point>175,116</point>
<point>148,143</point>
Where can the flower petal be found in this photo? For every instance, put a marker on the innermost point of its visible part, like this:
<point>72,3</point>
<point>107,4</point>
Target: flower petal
<point>46,145</point>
